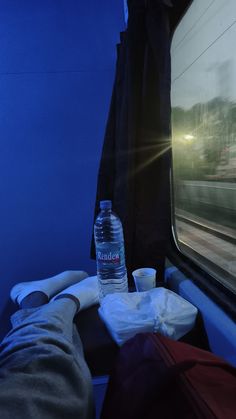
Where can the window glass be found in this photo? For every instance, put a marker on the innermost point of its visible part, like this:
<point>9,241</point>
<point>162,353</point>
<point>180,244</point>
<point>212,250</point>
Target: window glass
<point>204,136</point>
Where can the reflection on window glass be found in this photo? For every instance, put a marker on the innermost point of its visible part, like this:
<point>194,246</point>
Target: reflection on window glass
<point>204,136</point>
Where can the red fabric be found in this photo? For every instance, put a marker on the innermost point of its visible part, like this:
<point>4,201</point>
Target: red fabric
<point>156,377</point>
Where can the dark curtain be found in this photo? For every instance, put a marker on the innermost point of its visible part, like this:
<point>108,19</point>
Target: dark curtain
<point>136,157</point>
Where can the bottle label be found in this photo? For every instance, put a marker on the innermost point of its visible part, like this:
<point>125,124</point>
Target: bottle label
<point>109,255</point>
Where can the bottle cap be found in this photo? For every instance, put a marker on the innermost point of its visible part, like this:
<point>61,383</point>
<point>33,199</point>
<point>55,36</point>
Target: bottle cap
<point>105,205</point>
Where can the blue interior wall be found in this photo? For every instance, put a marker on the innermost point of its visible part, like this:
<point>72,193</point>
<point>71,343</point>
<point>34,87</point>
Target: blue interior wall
<point>219,327</point>
<point>56,75</point>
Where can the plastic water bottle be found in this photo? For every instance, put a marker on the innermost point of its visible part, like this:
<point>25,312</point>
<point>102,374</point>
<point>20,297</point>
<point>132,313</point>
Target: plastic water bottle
<point>110,254</point>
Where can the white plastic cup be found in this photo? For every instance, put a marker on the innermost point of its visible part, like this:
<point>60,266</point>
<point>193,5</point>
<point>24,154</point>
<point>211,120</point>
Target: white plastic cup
<point>144,279</point>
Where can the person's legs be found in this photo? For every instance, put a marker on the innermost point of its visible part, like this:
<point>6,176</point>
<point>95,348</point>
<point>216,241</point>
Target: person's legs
<point>49,286</point>
<point>43,373</point>
<point>34,299</point>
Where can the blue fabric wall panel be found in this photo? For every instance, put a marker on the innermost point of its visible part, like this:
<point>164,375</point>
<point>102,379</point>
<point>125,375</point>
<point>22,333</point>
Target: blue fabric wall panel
<point>49,152</point>
<point>220,328</point>
<point>40,109</point>
<point>52,35</point>
<point>56,75</point>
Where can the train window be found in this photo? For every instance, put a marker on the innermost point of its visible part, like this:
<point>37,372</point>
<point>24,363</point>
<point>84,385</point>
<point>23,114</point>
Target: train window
<point>203,100</point>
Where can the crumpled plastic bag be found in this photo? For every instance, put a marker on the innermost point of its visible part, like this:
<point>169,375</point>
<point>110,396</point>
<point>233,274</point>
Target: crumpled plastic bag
<point>157,310</point>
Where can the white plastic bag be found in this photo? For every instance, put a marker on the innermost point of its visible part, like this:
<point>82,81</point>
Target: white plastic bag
<point>157,310</point>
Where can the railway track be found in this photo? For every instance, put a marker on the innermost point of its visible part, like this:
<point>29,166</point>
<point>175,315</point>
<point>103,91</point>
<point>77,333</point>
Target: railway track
<point>222,232</point>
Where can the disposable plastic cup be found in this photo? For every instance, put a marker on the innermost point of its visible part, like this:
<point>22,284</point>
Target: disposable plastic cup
<point>144,279</point>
